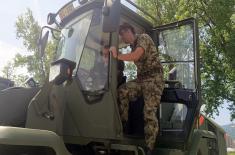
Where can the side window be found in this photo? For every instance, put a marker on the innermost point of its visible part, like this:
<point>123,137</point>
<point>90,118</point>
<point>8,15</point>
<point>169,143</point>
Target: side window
<point>177,55</point>
<point>93,68</point>
<point>88,59</point>
<point>86,64</point>
<point>94,64</point>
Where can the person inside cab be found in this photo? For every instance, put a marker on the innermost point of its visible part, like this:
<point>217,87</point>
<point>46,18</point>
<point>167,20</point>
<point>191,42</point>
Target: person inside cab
<point>149,82</point>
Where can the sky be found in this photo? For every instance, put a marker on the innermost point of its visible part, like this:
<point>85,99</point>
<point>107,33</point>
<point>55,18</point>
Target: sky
<point>9,11</point>
<point>9,45</point>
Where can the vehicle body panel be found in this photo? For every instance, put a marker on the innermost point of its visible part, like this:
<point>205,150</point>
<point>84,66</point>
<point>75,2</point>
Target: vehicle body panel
<point>30,137</point>
<point>15,101</point>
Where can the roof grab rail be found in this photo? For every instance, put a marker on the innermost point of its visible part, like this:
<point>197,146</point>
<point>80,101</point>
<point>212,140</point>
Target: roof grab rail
<point>141,9</point>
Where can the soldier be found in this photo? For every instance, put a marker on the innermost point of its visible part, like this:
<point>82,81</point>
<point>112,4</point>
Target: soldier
<point>149,82</point>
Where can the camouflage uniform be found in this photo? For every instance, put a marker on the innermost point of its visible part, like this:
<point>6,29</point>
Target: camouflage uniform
<point>149,83</point>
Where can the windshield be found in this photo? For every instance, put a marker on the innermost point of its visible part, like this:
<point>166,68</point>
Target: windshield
<point>73,37</point>
<point>84,42</point>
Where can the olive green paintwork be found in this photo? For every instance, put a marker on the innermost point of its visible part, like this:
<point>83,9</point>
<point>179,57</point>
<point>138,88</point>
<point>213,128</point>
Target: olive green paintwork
<point>31,137</point>
<point>14,102</point>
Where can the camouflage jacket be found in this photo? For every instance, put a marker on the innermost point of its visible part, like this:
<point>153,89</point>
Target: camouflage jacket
<point>149,64</point>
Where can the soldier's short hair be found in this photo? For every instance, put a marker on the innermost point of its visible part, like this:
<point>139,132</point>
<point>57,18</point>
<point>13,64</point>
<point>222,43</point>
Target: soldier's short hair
<point>125,27</point>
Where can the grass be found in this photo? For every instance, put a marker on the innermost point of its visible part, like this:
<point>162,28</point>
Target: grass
<point>231,153</point>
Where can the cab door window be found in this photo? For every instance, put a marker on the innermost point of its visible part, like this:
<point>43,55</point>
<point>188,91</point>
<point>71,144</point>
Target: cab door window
<point>177,51</point>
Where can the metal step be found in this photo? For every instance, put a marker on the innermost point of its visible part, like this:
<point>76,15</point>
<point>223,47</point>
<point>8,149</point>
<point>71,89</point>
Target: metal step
<point>120,147</point>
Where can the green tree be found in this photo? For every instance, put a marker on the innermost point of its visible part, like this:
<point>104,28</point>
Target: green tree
<point>8,70</point>
<point>28,29</point>
<point>217,44</point>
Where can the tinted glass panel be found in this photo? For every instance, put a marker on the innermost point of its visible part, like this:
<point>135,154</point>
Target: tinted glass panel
<point>94,64</point>
<point>177,56</point>
<point>177,44</point>
<point>172,116</point>
<point>73,37</point>
<point>181,72</point>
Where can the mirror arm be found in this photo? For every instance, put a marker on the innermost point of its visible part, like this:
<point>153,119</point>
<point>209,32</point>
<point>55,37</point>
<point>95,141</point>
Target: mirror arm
<point>52,31</point>
<point>58,25</point>
<point>54,36</point>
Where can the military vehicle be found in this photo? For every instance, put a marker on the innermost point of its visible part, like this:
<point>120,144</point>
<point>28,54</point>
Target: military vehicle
<point>5,83</point>
<point>76,111</point>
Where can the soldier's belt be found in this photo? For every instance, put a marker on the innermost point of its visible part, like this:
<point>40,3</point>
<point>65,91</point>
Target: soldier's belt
<point>148,74</point>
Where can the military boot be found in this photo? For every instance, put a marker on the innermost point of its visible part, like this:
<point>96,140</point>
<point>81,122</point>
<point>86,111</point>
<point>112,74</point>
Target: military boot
<point>148,151</point>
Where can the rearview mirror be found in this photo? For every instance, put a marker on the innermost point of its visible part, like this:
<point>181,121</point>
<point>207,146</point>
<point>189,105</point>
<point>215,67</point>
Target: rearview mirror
<point>51,18</point>
<point>42,43</point>
<point>111,15</point>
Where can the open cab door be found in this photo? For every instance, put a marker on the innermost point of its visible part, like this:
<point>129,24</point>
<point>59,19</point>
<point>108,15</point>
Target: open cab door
<point>180,103</point>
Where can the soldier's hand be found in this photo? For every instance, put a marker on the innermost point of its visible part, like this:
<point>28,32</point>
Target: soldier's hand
<point>114,51</point>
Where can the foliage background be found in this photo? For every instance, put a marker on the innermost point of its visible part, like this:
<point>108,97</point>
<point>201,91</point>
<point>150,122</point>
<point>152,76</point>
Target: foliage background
<point>216,20</point>
<point>28,30</point>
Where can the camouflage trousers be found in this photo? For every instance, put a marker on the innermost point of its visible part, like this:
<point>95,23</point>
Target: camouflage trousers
<point>151,89</point>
